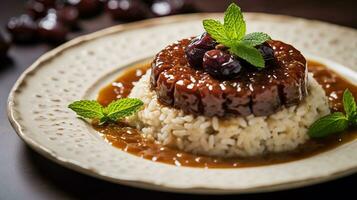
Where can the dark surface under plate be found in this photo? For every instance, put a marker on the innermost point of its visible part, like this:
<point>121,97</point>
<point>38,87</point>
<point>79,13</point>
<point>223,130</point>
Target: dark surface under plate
<point>24,174</point>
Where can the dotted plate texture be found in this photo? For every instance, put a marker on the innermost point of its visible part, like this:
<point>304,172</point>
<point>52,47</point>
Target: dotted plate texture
<point>37,105</point>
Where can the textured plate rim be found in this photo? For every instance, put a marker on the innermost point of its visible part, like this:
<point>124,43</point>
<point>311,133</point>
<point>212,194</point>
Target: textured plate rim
<point>72,164</point>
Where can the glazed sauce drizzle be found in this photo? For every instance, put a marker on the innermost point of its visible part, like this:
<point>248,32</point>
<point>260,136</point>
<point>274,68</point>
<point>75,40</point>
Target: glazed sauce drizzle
<point>130,140</point>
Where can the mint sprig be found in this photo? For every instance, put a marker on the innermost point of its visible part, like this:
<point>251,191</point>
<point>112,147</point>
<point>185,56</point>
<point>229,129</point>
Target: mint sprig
<point>232,34</point>
<point>336,122</point>
<point>115,111</point>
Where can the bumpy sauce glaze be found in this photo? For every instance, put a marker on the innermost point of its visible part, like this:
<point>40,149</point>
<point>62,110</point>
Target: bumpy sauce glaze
<point>254,91</point>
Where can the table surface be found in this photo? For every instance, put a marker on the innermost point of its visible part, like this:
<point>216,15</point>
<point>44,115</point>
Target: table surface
<point>24,174</point>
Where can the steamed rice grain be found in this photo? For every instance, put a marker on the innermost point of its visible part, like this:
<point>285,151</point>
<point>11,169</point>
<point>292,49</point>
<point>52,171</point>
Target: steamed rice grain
<point>239,136</point>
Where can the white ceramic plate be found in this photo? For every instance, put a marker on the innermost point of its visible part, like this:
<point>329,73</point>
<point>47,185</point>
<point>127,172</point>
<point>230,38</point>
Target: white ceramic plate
<point>38,102</point>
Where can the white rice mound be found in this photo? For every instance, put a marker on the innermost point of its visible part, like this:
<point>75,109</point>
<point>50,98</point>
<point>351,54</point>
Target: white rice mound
<point>239,136</point>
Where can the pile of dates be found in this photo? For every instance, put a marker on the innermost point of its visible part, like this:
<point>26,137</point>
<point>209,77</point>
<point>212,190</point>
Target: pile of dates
<point>205,53</point>
<point>52,20</point>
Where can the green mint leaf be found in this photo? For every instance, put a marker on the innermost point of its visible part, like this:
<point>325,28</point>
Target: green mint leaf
<point>349,105</point>
<point>234,24</point>
<point>333,123</point>
<point>232,35</point>
<point>123,108</point>
<point>249,54</point>
<point>87,109</point>
<point>216,31</point>
<point>114,111</point>
<point>256,38</point>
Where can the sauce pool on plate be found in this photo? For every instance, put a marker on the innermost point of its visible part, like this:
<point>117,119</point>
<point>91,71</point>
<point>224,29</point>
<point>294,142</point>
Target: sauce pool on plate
<point>130,140</point>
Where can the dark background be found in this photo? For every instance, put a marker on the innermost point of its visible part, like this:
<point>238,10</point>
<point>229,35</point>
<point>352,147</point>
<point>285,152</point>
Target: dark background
<point>26,175</point>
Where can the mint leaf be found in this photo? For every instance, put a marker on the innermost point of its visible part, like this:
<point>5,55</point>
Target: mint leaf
<point>256,38</point>
<point>336,122</point>
<point>123,108</point>
<point>349,105</point>
<point>87,109</point>
<point>114,111</point>
<point>232,35</point>
<point>249,54</point>
<point>216,31</point>
<point>234,24</point>
<point>333,123</point>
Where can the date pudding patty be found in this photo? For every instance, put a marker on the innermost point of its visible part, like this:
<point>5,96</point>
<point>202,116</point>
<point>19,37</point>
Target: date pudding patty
<point>253,91</point>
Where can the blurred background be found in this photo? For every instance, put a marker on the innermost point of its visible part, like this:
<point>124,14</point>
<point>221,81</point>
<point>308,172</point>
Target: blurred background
<point>44,24</point>
<point>29,28</point>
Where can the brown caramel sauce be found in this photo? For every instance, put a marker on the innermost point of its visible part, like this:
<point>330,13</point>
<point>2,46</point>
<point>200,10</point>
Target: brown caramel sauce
<point>129,139</point>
